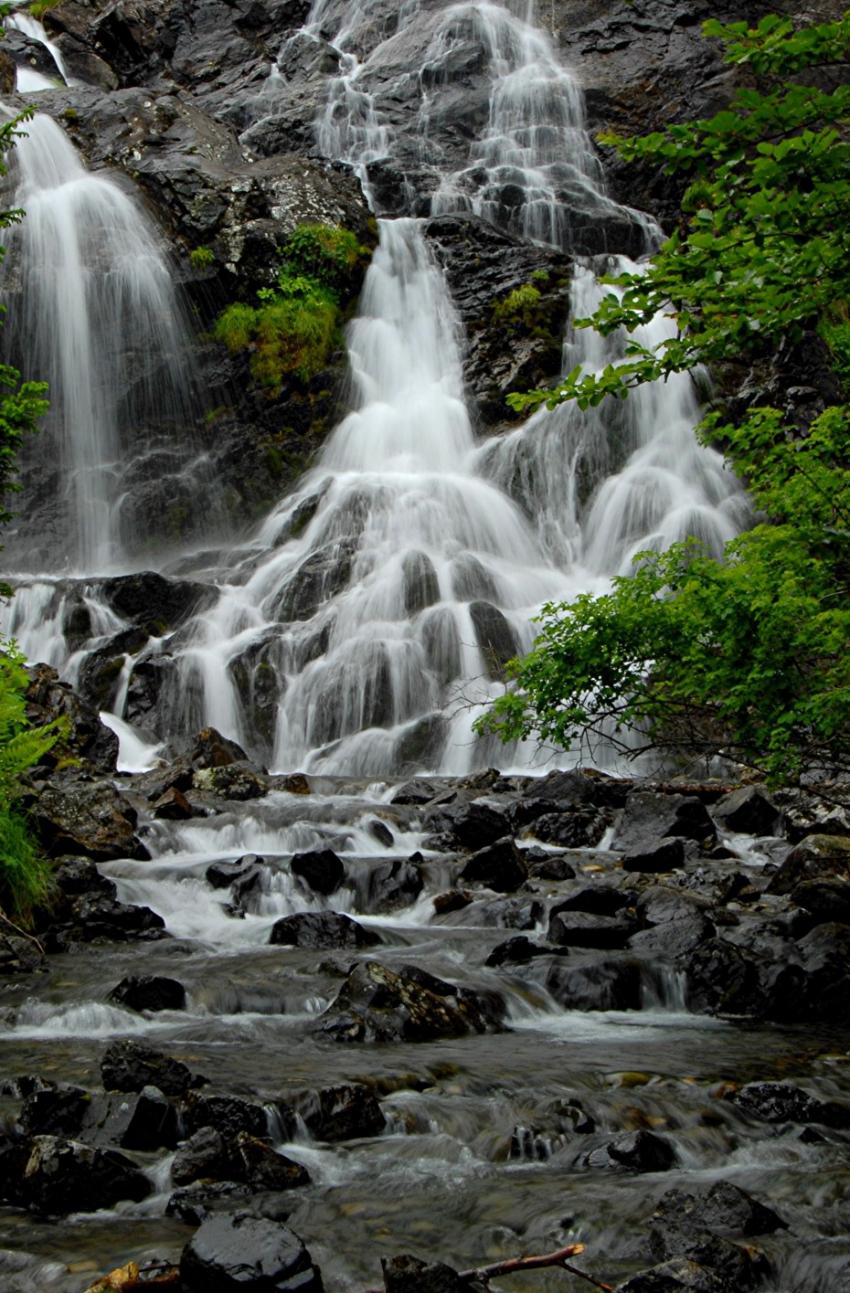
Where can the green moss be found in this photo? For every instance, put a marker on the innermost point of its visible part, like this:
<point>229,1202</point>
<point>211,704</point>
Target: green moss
<point>70,115</point>
<point>519,308</point>
<point>327,254</point>
<point>202,257</point>
<point>38,8</point>
<point>540,276</point>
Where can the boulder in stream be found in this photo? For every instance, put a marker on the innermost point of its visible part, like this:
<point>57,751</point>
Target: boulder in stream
<point>93,819</point>
<point>130,1065</point>
<point>148,992</point>
<point>247,1254</point>
<point>325,930</point>
<point>377,1004</point>
<point>320,870</point>
<point>64,1176</point>
<point>346,1112</point>
<point>499,866</point>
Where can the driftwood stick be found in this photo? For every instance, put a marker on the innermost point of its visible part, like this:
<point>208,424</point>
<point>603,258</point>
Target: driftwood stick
<point>512,1264</point>
<point>21,933</point>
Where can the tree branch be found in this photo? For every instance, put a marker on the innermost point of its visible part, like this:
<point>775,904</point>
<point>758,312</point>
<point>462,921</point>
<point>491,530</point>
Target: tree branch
<point>513,1264</point>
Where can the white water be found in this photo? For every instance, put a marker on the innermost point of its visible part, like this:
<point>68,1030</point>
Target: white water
<point>99,321</point>
<point>26,78</point>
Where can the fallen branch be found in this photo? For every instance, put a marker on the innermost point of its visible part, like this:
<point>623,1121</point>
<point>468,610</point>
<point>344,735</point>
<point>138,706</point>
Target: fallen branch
<point>20,933</point>
<point>513,1264</point>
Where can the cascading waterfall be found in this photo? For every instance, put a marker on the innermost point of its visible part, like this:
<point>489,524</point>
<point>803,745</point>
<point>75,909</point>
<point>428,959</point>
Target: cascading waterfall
<point>96,316</point>
<point>368,621</point>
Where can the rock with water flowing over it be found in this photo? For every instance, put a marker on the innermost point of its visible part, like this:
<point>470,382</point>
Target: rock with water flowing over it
<point>634,1151</point>
<point>54,1110</point>
<point>516,951</point>
<point>228,1114</point>
<point>408,1274</point>
<point>377,1004</point>
<point>320,870</point>
<point>675,938</point>
<point>570,928</point>
<point>387,885</point>
<point>347,1112</point>
<point>148,992</point>
<point>154,603</point>
<point>63,1176</point>
<point>679,1275</point>
<point>94,917</point>
<point>130,1065</point>
<point>86,739</point>
<point>468,826</point>
<point>210,1155</point>
<point>221,875</point>
<point>721,1209</point>
<point>500,866</point>
<point>239,781</point>
<point>325,930</point>
<point>192,1204</point>
<point>247,1254</point>
<point>606,984</point>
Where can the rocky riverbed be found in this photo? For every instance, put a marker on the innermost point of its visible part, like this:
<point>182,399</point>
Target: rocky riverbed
<point>327,1023</point>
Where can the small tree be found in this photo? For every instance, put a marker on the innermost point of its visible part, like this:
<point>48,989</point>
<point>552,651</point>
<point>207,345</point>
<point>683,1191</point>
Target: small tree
<point>749,656</point>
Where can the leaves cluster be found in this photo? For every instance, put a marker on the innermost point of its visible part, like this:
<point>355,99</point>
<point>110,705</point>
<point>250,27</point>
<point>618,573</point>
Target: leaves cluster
<point>748,656</point>
<point>295,327</point>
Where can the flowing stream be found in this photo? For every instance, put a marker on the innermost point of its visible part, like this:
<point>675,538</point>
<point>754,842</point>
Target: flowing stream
<point>355,634</point>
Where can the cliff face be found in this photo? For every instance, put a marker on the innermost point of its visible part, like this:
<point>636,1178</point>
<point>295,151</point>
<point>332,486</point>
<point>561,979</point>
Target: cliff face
<point>224,117</point>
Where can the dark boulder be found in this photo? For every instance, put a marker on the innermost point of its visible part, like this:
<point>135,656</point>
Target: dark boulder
<point>825,900</point>
<point>825,955</point>
<point>148,992</point>
<point>75,875</point>
<point>598,900</point>
<point>388,885</point>
<point>336,1113</point>
<point>814,858</point>
<point>152,1122</point>
<point>499,866</point>
<point>679,1275</point>
<point>54,1111</point>
<point>595,985</point>
<point>221,875</point>
<point>649,816</point>
<point>209,1155</point>
<point>748,811</point>
<point>568,928</point>
<point>19,955</point>
<point>130,1065</point>
<point>780,1102</point>
<point>380,831</point>
<point>722,979</point>
<point>94,918</point>
<point>212,750</point>
<point>192,1204</point>
<point>656,856</point>
<point>173,806</point>
<point>247,1254</point>
<point>154,603</point>
<point>64,1176</point>
<point>325,930</point>
<point>92,819</point>
<point>378,1004</point>
<point>673,938</point>
<point>87,739</point>
<point>516,951</point>
<point>320,869</point>
<point>633,1151</point>
<point>552,866</point>
<point>468,826</point>
<point>496,640</point>
<point>406,1274</point>
<point>576,828</point>
<point>228,1114</point>
<point>238,780</point>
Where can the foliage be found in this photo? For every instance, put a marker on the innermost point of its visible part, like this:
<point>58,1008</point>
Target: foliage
<point>295,327</point>
<point>519,307</point>
<point>202,257</point>
<point>750,655</point>
<point>24,875</point>
<point>38,8</point>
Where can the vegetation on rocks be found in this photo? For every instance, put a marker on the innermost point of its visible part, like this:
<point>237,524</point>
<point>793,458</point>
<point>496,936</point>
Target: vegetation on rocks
<point>295,327</point>
<point>748,656</point>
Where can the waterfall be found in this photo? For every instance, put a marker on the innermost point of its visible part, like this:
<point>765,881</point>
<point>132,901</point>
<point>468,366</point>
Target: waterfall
<point>26,79</point>
<point>368,620</point>
<point>95,315</point>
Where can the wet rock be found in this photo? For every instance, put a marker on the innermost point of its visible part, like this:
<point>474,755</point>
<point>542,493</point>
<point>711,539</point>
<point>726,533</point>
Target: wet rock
<point>204,1156</point>
<point>467,825</point>
<point>320,869</point>
<point>323,930</point>
<point>680,1275</point>
<point>452,900</point>
<point>225,1113</point>
<point>336,1113</point>
<point>95,918</point>
<point>221,875</point>
<point>130,1065</point>
<point>674,937</point>
<point>152,1123</point>
<point>406,1274</point>
<point>212,750</point>
<point>421,587</point>
<point>496,640</point>
<point>173,806</point>
<point>825,954</point>
<point>380,831</point>
<point>148,992</point>
<point>15,1150</point>
<point>54,1111</point>
<point>509,913</point>
<point>262,1167</point>
<point>192,1204</point>
<point>154,603</point>
<point>649,816</point>
<point>577,828</point>
<point>238,780</point>
<point>376,1003</point>
<point>595,985</point>
<point>95,820</point>
<point>656,856</point>
<point>814,858</point>
<point>825,900</point>
<point>552,867</point>
<point>75,875</point>
<point>499,866</point>
<point>516,951</point>
<point>780,1102</point>
<point>569,928</point>
<point>600,900</point>
<point>634,1151</point>
<point>748,811</point>
<point>683,1217</point>
<point>661,904</point>
<point>19,955</point>
<point>88,740</point>
<point>387,886</point>
<point>247,1254</point>
<point>64,1176</point>
<point>419,791</point>
<point>722,979</point>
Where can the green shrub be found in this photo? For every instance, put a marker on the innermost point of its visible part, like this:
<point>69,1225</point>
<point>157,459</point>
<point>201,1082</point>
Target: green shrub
<point>520,307</point>
<point>202,257</point>
<point>295,326</point>
<point>24,874</point>
<point>38,8</point>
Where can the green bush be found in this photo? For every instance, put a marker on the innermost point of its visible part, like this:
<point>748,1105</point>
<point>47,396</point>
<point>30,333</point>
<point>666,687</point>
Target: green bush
<point>202,257</point>
<point>295,327</point>
<point>24,874</point>
<point>520,307</point>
